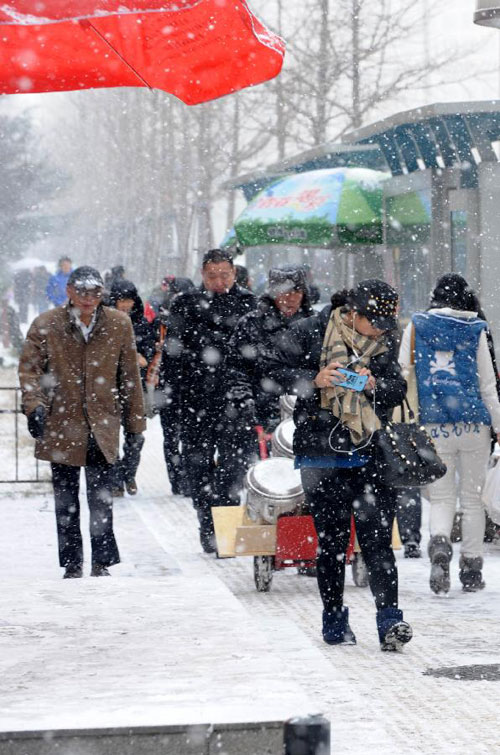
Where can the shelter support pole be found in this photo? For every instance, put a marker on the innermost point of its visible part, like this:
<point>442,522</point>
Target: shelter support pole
<point>440,227</point>
<point>489,242</point>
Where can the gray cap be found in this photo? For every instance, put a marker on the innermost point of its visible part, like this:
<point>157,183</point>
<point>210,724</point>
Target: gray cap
<point>85,277</point>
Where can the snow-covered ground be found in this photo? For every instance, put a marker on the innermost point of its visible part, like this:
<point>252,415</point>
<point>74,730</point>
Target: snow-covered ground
<point>176,636</point>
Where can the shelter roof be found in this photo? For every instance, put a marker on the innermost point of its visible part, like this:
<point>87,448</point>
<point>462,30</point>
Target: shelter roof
<point>443,135</point>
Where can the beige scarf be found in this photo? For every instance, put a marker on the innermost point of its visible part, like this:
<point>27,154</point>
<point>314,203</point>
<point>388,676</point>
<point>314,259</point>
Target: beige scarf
<point>352,408</point>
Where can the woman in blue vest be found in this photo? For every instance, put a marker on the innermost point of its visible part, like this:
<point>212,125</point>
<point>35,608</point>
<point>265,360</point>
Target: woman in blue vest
<point>458,403</point>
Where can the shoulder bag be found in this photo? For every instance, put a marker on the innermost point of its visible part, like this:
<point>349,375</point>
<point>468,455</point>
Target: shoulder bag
<point>405,455</point>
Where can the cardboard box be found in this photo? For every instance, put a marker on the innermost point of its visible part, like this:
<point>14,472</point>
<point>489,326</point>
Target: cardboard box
<point>226,520</point>
<point>256,540</point>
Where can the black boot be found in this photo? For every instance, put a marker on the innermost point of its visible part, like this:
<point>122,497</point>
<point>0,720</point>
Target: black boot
<point>470,574</point>
<point>393,632</point>
<point>336,629</point>
<point>207,532</point>
<point>73,571</point>
<point>440,553</point>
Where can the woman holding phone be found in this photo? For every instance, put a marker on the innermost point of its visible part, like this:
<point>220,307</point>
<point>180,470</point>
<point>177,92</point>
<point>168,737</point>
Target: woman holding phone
<point>336,417</point>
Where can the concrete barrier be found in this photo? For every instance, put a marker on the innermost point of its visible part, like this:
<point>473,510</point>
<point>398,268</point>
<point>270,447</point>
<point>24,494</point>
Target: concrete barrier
<point>220,739</point>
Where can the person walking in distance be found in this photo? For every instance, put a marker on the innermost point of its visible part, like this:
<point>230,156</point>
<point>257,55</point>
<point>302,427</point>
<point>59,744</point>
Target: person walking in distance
<point>125,298</point>
<point>199,327</point>
<point>57,285</point>
<point>79,377</point>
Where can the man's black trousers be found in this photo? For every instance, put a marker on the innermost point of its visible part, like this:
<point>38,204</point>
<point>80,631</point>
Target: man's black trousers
<point>332,495</point>
<point>216,457</point>
<point>66,482</point>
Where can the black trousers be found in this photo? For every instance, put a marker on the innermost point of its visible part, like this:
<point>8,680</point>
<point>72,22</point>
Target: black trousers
<point>125,469</point>
<point>331,496</point>
<point>66,482</point>
<point>409,514</point>
<point>174,456</point>
<point>215,455</point>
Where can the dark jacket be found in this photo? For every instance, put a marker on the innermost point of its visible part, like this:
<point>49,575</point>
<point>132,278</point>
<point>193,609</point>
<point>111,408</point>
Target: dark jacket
<point>252,344</point>
<point>161,298</point>
<point>145,333</point>
<point>294,367</point>
<point>199,327</point>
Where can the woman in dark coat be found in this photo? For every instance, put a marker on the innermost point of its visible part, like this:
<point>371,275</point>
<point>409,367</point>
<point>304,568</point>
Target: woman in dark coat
<point>334,446</point>
<point>256,337</point>
<point>123,296</point>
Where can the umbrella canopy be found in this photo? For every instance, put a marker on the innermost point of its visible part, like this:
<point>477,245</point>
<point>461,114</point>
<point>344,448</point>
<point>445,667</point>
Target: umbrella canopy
<point>409,209</point>
<point>322,208</point>
<point>197,50</point>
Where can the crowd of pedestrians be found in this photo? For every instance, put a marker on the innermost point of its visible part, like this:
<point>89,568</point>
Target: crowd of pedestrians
<point>213,360</point>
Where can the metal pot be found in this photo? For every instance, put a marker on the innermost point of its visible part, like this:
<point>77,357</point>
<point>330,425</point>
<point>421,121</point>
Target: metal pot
<point>274,487</point>
<point>282,439</point>
<point>287,405</point>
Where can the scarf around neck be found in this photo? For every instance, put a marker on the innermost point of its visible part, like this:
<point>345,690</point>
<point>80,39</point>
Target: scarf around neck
<point>352,408</point>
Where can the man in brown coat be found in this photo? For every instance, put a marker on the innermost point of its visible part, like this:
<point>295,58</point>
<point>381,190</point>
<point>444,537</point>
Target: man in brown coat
<point>79,376</point>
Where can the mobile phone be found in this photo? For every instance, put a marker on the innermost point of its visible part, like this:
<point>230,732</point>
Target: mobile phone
<point>352,380</point>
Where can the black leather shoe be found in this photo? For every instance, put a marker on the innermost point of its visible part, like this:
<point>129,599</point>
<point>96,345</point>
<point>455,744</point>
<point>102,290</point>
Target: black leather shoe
<point>99,570</point>
<point>131,487</point>
<point>73,571</point>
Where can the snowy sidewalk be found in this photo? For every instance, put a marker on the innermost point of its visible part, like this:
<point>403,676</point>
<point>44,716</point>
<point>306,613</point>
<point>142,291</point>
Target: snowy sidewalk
<point>176,636</point>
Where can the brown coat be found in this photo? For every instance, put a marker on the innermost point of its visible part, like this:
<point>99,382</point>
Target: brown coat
<point>85,387</point>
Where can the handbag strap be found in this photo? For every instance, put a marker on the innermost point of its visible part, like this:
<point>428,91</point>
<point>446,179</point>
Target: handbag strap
<point>411,413</point>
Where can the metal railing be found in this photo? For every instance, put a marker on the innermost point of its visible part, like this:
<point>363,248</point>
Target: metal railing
<point>15,411</point>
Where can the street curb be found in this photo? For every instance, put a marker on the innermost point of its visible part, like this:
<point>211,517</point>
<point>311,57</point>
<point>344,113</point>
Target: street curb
<point>264,738</point>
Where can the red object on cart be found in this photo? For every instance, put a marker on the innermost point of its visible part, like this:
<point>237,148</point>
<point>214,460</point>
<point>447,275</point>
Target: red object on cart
<point>263,441</point>
<point>352,541</point>
<point>296,540</point>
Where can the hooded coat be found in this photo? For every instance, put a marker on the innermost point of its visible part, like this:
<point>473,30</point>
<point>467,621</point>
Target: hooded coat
<point>256,337</point>
<point>85,387</point>
<point>144,332</point>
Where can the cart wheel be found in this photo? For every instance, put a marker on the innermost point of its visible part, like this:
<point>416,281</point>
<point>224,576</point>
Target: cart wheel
<point>263,567</point>
<point>359,571</point>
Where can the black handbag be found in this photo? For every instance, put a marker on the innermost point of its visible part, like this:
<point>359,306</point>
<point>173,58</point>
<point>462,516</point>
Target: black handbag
<point>405,455</point>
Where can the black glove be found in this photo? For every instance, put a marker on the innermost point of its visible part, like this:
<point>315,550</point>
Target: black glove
<point>136,439</point>
<point>36,422</point>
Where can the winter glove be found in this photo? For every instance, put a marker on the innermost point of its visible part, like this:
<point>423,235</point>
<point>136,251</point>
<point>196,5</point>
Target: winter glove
<point>36,422</point>
<point>136,439</point>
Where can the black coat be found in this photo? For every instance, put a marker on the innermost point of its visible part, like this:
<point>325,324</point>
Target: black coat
<point>199,327</point>
<point>144,332</point>
<point>296,364</point>
<point>256,337</point>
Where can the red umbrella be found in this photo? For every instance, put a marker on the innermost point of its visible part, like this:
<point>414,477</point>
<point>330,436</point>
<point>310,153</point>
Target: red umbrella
<point>197,50</point>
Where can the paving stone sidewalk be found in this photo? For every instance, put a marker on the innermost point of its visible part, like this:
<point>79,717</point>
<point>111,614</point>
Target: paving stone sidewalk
<point>377,703</point>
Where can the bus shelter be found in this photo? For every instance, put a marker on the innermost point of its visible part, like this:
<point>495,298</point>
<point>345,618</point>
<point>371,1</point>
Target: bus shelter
<point>440,208</point>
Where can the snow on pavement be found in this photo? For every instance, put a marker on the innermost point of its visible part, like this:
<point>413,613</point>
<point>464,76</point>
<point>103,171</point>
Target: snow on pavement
<point>176,636</point>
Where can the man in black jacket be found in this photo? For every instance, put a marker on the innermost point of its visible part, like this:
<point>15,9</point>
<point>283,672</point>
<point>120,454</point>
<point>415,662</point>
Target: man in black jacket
<point>193,374</point>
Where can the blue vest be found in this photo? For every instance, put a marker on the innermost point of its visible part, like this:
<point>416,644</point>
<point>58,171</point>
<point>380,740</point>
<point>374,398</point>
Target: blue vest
<point>446,369</point>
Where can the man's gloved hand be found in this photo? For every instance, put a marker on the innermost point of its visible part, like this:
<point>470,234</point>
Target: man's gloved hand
<point>36,422</point>
<point>136,439</point>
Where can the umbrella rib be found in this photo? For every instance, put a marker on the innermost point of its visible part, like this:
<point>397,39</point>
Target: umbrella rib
<point>101,36</point>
